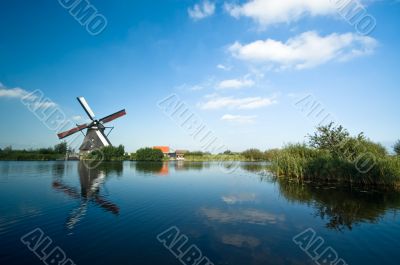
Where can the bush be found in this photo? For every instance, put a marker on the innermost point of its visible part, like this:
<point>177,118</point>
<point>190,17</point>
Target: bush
<point>132,156</point>
<point>397,148</point>
<point>195,153</point>
<point>61,148</point>
<point>149,154</point>
<point>270,154</point>
<point>253,154</point>
<point>108,153</point>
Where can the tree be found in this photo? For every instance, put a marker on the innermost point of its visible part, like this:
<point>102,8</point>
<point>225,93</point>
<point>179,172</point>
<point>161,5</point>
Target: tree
<point>397,148</point>
<point>61,148</point>
<point>329,137</point>
<point>149,154</point>
<point>339,143</point>
<point>8,149</point>
<point>109,153</point>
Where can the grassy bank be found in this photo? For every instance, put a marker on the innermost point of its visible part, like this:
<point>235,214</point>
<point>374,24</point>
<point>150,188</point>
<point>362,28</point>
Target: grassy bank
<point>211,157</point>
<point>249,155</point>
<point>43,154</point>
<point>333,156</point>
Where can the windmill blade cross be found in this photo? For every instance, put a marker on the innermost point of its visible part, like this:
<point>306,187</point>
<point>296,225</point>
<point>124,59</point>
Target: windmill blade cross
<point>86,107</point>
<point>95,137</point>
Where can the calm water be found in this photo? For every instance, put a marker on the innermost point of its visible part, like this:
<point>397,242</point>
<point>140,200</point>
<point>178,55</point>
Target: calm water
<point>113,214</point>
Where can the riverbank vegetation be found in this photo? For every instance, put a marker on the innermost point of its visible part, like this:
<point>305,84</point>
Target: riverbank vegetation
<point>198,156</point>
<point>108,153</point>
<point>43,154</point>
<point>148,154</point>
<point>397,148</point>
<point>332,155</point>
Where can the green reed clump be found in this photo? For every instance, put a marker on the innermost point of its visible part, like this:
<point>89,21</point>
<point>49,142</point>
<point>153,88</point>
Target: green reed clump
<point>334,156</point>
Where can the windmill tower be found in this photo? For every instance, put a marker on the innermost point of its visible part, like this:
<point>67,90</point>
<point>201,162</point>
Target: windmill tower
<point>95,137</point>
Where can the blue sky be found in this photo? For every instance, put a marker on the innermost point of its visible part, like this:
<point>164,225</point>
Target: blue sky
<point>239,65</point>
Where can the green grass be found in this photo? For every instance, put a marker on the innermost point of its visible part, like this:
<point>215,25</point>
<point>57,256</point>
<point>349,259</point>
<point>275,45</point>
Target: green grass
<point>210,157</point>
<point>29,155</point>
<point>303,163</point>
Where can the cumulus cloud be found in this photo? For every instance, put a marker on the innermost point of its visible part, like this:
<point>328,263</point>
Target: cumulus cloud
<point>305,50</point>
<point>217,102</point>
<point>268,12</point>
<point>17,92</point>
<point>202,10</point>
<point>21,94</point>
<point>235,84</point>
<point>240,119</point>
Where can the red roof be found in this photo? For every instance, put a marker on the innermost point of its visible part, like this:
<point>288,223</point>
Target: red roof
<point>164,149</point>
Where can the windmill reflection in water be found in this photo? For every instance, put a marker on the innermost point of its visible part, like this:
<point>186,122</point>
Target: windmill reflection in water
<point>91,180</point>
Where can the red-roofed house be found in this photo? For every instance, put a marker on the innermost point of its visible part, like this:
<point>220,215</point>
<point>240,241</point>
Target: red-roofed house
<point>164,149</point>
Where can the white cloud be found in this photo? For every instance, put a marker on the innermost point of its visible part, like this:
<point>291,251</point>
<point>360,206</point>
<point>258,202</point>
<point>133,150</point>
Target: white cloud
<point>21,94</point>
<point>12,93</point>
<point>77,118</point>
<point>305,50</point>
<point>241,119</point>
<point>202,10</point>
<point>268,12</point>
<point>196,88</point>
<point>239,198</point>
<point>235,84</point>
<point>224,67</point>
<point>217,102</point>
<point>44,105</point>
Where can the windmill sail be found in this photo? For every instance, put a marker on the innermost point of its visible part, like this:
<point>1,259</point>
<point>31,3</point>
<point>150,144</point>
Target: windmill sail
<point>72,131</point>
<point>86,107</point>
<point>112,117</point>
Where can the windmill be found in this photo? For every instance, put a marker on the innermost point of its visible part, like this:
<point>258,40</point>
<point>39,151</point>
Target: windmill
<point>95,137</point>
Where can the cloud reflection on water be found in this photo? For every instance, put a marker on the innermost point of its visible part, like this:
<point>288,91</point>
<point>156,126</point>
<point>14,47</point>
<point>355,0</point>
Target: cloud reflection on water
<point>249,216</point>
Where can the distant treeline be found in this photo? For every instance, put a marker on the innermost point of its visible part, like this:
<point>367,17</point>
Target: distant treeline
<point>249,155</point>
<point>51,153</point>
<point>150,154</point>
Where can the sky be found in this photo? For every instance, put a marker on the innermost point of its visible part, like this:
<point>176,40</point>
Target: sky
<point>256,72</point>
